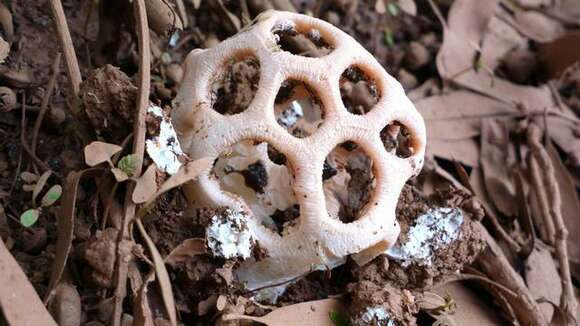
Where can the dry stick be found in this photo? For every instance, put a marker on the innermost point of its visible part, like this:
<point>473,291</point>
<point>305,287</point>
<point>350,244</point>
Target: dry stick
<point>65,40</point>
<point>142,102</point>
<point>45,100</point>
<point>496,266</point>
<point>549,183</point>
<point>547,230</point>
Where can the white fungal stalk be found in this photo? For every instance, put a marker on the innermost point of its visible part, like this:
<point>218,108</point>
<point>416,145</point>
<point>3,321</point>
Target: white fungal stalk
<point>317,239</point>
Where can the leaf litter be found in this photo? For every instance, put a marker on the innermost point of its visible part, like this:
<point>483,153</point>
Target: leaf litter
<point>478,100</point>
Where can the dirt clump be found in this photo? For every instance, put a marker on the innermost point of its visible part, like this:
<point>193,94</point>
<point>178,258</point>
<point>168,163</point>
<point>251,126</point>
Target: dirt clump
<point>100,257</point>
<point>234,89</point>
<point>108,97</point>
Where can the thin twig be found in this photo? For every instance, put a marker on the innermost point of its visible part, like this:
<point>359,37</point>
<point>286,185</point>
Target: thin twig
<point>438,14</point>
<point>45,100</point>
<point>66,44</point>
<point>493,262</point>
<point>549,185</point>
<point>142,102</point>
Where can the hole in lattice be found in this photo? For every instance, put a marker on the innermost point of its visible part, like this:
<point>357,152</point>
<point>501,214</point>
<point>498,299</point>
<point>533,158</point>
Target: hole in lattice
<point>298,109</point>
<point>358,91</point>
<point>235,86</point>
<point>398,140</point>
<point>247,170</point>
<point>348,182</point>
<point>301,40</point>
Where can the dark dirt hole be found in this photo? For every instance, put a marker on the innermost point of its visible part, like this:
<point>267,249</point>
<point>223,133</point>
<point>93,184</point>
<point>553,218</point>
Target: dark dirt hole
<point>348,182</point>
<point>358,91</point>
<point>298,109</point>
<point>236,85</point>
<point>259,174</point>
<point>398,140</point>
<point>307,42</point>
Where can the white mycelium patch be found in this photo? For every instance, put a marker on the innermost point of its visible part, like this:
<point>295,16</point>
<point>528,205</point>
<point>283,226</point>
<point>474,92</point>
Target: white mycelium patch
<point>377,314</point>
<point>228,236</point>
<point>431,231</point>
<point>164,149</point>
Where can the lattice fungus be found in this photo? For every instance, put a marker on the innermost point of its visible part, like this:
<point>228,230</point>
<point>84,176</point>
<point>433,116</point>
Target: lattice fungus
<point>312,139</point>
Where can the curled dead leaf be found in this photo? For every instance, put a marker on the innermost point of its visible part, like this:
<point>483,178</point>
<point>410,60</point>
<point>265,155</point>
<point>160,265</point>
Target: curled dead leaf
<point>146,185</point>
<point>98,152</point>
<point>185,250</point>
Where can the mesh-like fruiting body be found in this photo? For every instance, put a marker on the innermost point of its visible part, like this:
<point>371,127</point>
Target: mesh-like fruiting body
<point>317,240</point>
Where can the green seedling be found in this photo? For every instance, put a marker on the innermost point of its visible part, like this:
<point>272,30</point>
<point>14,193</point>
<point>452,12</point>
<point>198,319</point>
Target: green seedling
<point>36,184</point>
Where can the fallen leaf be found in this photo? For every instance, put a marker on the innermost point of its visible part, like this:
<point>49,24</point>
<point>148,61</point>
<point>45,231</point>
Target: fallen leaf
<point>471,308</point>
<point>98,152</point>
<point>467,27</point>
<point>4,50</point>
<point>538,26</point>
<point>457,115</point>
<point>163,278</point>
<point>66,226</point>
<point>146,185</point>
<point>496,163</point>
<point>119,175</point>
<point>305,313</point>
<point>570,203</point>
<point>380,7</point>
<point>185,174</point>
<point>465,151</point>
<point>565,134</point>
<point>19,301</point>
<point>66,306</point>
<point>186,250</point>
<point>40,185</point>
<point>560,53</point>
<point>542,278</point>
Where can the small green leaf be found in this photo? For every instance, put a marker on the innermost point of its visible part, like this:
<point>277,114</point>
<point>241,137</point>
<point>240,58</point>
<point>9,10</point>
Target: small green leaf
<point>389,37</point>
<point>129,164</point>
<point>29,217</point>
<point>339,318</point>
<point>392,8</point>
<point>51,196</point>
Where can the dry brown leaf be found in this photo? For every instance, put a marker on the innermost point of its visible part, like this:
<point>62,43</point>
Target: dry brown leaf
<point>66,226</point>
<point>163,278</point>
<point>468,23</point>
<point>457,115</point>
<point>306,313</point>
<point>28,177</point>
<point>465,151</point>
<point>19,301</point>
<point>185,250</point>
<point>542,278</point>
<point>496,161</point>
<point>500,39</point>
<point>186,173</point>
<point>146,185</point>
<point>560,53</point>
<point>471,309</point>
<point>570,204</point>
<point>538,26</point>
<point>380,7</point>
<point>98,152</point>
<point>565,134</point>
<point>66,305</point>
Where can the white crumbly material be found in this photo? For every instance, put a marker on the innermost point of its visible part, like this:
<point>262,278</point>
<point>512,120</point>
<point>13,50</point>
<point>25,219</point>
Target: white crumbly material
<point>164,149</point>
<point>291,115</point>
<point>377,314</point>
<point>228,236</point>
<point>431,231</point>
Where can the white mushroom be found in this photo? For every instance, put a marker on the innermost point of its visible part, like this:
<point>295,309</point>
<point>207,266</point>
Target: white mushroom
<point>318,240</point>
